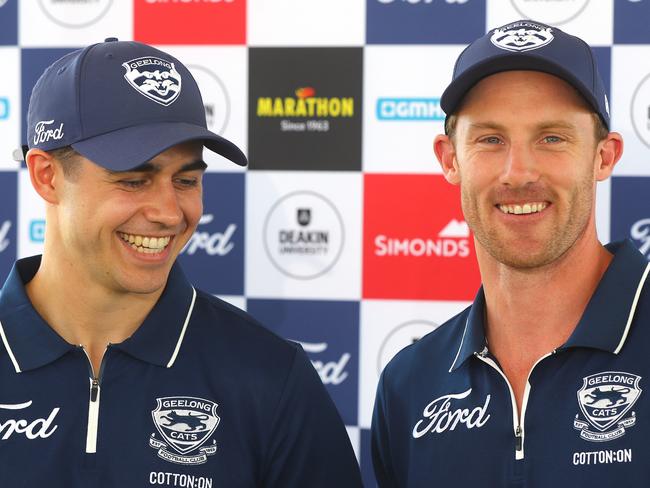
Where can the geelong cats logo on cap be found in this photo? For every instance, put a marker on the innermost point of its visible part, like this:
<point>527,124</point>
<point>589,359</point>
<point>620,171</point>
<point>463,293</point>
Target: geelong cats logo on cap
<point>521,36</point>
<point>185,424</point>
<point>155,78</point>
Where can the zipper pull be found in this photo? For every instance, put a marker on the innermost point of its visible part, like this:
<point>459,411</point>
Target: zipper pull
<point>518,439</point>
<point>94,389</point>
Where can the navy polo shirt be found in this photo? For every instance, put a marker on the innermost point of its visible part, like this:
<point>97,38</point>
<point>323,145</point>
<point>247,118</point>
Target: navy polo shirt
<point>200,396</point>
<point>445,415</point>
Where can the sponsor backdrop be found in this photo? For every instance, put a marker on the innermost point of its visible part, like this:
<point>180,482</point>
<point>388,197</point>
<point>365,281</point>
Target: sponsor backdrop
<point>342,234</point>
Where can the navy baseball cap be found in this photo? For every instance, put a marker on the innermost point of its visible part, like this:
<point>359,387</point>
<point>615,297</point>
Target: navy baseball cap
<point>119,104</point>
<point>528,45</point>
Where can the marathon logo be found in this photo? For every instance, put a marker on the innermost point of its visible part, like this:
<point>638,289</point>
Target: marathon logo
<point>185,424</point>
<point>604,400</point>
<point>305,104</point>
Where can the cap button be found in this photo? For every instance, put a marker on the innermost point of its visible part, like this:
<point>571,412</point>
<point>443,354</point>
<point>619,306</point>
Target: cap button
<point>111,39</point>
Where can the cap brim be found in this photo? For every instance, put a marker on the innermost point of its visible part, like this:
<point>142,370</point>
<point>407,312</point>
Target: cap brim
<point>130,147</point>
<point>458,88</point>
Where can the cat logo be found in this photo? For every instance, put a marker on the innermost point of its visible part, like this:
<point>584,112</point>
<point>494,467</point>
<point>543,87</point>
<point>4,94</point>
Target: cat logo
<point>155,78</point>
<point>185,424</point>
<point>521,36</point>
<point>604,400</point>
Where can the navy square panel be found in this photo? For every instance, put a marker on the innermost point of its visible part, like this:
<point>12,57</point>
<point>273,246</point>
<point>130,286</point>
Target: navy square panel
<point>213,258</point>
<point>8,22</point>
<point>33,63</point>
<point>630,217</point>
<point>365,460</point>
<point>631,22</point>
<point>604,59</point>
<point>329,334</point>
<point>8,221</point>
<point>424,21</point>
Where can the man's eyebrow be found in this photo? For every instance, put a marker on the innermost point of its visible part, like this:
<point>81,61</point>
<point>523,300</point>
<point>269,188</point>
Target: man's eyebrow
<point>550,124</point>
<point>149,167</point>
<point>487,125</point>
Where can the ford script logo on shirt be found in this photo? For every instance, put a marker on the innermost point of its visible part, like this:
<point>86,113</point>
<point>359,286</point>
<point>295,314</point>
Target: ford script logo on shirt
<point>439,416</point>
<point>31,428</point>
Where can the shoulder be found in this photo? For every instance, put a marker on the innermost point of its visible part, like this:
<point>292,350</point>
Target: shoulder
<point>225,331</point>
<point>432,355</point>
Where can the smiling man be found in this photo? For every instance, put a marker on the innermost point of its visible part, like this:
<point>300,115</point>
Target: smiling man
<point>114,370</point>
<point>540,382</point>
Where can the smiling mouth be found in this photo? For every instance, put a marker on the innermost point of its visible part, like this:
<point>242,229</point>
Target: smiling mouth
<point>146,244</point>
<point>522,209</point>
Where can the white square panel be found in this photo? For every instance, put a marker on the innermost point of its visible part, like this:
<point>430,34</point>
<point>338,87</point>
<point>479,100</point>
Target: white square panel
<point>235,300</point>
<point>9,107</point>
<point>222,75</point>
<point>306,22</point>
<point>589,19</point>
<point>387,326</point>
<point>631,107</point>
<point>402,115</point>
<point>354,433</point>
<point>303,235</point>
<point>49,23</point>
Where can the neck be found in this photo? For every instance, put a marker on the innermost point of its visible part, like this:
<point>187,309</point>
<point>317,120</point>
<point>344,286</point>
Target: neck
<point>542,304</point>
<point>531,312</point>
<point>84,313</point>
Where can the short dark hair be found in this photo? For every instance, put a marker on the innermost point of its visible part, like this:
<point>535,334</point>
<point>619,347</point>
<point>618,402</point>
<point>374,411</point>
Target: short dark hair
<point>600,129</point>
<point>69,159</point>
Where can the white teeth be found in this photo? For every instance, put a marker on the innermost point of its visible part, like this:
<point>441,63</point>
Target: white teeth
<point>526,208</point>
<point>146,245</point>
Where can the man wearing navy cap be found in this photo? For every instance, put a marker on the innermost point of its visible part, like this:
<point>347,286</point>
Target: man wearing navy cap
<point>540,382</point>
<point>114,370</point>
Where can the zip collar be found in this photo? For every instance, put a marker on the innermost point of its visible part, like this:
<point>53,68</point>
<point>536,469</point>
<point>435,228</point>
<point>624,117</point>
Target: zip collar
<point>32,343</point>
<point>606,320</point>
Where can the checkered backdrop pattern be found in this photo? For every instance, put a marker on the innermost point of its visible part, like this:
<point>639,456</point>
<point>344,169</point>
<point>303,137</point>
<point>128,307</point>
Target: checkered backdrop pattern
<point>341,234</point>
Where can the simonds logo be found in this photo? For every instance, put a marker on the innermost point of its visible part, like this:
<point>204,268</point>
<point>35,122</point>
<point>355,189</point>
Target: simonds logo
<point>452,241</point>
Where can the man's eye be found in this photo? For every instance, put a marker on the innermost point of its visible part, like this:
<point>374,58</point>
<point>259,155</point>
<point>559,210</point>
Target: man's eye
<point>132,183</point>
<point>552,139</point>
<point>187,182</point>
<point>491,140</point>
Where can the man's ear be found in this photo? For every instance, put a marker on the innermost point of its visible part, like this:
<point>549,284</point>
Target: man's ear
<point>44,174</point>
<point>608,153</point>
<point>446,154</point>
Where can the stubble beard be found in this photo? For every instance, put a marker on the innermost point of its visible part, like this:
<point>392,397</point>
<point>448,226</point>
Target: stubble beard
<point>558,240</point>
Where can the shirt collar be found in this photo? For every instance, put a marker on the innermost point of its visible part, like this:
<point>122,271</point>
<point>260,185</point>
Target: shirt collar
<point>606,320</point>
<point>32,343</point>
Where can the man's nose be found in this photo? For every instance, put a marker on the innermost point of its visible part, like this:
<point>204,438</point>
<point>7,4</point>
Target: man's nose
<point>163,206</point>
<point>520,167</point>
